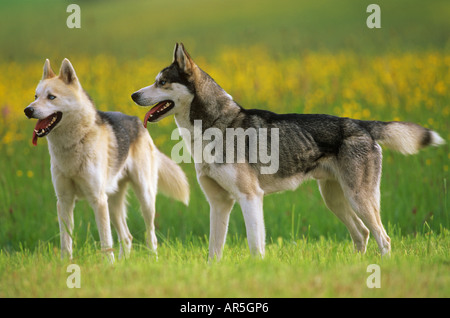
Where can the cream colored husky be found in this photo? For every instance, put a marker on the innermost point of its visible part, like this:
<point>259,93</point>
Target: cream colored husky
<point>94,155</point>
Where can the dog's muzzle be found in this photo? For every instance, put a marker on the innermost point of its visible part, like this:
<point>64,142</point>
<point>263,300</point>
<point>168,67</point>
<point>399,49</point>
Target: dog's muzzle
<point>29,111</point>
<point>136,96</point>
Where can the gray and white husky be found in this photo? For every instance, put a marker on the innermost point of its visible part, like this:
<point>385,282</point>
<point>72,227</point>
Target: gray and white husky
<point>94,155</point>
<point>342,154</point>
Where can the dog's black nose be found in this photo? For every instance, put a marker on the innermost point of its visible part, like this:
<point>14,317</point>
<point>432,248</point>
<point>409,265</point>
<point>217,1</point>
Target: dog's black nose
<point>135,96</point>
<point>29,111</point>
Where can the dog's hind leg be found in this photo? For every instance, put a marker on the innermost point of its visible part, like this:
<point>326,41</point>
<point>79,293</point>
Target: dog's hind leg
<point>335,200</point>
<point>143,174</point>
<point>145,185</point>
<point>118,211</point>
<point>367,208</point>
<point>220,203</point>
<point>359,176</point>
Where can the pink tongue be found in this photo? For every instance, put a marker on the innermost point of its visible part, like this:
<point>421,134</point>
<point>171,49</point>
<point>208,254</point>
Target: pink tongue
<point>35,137</point>
<point>41,124</point>
<point>151,112</point>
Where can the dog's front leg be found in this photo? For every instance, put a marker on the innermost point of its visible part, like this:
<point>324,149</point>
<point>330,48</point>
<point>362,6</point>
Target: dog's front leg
<point>100,206</point>
<point>219,217</point>
<point>220,203</point>
<point>252,209</point>
<point>65,194</point>
<point>65,206</point>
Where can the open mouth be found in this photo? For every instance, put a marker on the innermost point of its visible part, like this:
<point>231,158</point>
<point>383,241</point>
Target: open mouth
<point>44,126</point>
<point>157,111</point>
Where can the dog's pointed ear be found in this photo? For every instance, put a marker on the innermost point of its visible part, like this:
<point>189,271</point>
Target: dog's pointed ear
<point>175,53</point>
<point>67,72</point>
<point>182,59</point>
<point>48,72</point>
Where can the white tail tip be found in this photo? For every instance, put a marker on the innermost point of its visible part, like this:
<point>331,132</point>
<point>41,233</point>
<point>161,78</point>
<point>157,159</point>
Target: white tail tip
<point>436,140</point>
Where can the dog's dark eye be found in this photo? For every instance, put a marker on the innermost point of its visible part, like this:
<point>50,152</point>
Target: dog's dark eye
<point>162,82</point>
<point>51,97</point>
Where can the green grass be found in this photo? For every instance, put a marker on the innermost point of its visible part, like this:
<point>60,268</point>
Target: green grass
<point>309,252</point>
<point>419,267</point>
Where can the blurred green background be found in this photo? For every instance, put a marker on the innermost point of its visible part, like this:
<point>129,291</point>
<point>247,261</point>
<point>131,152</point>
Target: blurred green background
<point>135,28</point>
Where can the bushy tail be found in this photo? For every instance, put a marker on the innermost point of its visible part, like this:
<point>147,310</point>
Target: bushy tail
<point>407,138</point>
<point>171,179</point>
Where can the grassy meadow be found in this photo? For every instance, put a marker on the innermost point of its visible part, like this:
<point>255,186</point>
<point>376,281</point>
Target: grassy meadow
<point>284,56</point>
